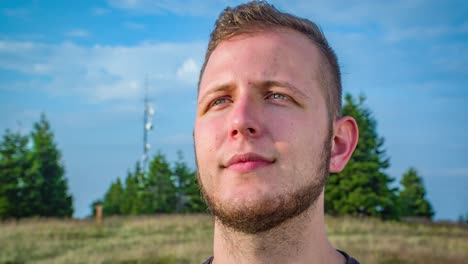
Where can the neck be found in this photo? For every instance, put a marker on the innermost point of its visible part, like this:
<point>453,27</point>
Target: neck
<point>301,239</point>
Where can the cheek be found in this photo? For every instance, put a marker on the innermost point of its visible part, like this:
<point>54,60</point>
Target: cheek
<point>300,139</point>
<point>207,135</point>
<point>294,129</point>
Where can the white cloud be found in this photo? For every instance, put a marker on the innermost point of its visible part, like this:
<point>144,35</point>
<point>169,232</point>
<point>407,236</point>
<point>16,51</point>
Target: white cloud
<point>99,11</point>
<point>189,71</point>
<point>134,26</point>
<point>188,7</point>
<point>101,73</point>
<point>426,32</point>
<point>16,12</point>
<point>78,33</point>
<point>22,56</point>
<point>335,11</point>
<point>40,68</point>
<point>395,20</point>
<point>392,20</point>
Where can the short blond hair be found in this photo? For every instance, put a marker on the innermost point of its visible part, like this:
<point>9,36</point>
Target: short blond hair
<point>257,16</point>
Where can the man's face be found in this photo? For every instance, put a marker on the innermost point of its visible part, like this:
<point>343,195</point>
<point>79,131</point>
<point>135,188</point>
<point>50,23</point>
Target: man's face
<point>262,133</point>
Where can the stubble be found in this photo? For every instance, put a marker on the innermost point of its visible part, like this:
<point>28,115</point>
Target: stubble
<point>270,213</point>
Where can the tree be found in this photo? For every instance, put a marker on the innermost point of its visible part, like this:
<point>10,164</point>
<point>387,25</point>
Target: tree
<point>32,181</point>
<point>19,196</point>
<point>413,202</point>
<point>113,199</point>
<point>361,189</point>
<point>130,204</point>
<point>12,150</point>
<point>188,193</point>
<point>55,201</point>
<point>159,188</point>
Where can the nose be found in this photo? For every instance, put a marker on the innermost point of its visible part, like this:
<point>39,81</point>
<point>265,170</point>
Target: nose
<point>245,120</point>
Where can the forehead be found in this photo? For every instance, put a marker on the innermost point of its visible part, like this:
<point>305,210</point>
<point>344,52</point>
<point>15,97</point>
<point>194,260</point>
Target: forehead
<point>284,55</point>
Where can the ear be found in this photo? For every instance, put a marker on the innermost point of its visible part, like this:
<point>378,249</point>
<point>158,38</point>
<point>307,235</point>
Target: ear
<point>344,141</point>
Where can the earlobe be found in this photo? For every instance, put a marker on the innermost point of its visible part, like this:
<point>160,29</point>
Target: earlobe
<point>344,141</point>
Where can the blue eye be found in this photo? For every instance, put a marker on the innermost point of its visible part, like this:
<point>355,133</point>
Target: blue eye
<point>219,101</point>
<point>278,96</point>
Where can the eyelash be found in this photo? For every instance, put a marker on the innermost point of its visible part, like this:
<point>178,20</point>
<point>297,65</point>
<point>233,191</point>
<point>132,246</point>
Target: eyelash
<point>214,102</point>
<point>271,95</point>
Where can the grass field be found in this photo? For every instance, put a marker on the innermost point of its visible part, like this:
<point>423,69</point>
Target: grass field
<point>188,239</point>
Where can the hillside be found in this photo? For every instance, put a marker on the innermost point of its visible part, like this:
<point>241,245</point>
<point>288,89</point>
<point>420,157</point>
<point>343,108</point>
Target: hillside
<point>188,238</point>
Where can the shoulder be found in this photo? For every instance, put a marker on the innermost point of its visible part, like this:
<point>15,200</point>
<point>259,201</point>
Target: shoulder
<point>349,259</point>
<point>208,261</point>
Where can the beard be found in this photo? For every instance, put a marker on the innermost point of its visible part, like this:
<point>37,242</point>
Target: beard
<point>270,213</point>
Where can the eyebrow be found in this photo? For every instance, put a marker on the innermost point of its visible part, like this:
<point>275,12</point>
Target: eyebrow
<point>287,85</point>
<point>263,84</point>
<point>218,88</point>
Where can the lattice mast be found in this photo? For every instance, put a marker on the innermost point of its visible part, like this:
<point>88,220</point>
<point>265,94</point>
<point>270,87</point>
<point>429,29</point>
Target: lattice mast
<point>148,114</point>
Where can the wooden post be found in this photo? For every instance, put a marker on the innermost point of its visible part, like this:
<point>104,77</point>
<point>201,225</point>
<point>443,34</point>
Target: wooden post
<point>98,213</point>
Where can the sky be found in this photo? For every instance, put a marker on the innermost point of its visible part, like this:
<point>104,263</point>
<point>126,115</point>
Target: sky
<point>84,64</point>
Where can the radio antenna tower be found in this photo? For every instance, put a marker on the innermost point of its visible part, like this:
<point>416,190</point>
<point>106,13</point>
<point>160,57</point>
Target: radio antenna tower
<point>148,114</point>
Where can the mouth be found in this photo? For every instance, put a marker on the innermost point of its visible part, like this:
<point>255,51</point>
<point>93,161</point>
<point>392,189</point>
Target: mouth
<point>248,162</point>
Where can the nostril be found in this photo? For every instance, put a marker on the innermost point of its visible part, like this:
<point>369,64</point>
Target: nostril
<point>248,131</point>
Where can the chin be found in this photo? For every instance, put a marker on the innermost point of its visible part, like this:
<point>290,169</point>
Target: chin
<point>252,203</point>
<point>254,212</point>
<point>248,192</point>
<point>249,198</point>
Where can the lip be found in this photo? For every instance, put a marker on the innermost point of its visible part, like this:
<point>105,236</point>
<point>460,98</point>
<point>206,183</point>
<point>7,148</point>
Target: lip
<point>247,162</point>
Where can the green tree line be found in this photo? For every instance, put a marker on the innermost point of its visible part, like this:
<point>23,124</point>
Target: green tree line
<point>162,189</point>
<point>32,176</point>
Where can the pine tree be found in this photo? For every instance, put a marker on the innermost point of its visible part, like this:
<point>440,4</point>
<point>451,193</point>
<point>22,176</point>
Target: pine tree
<point>31,182</point>
<point>362,188</point>
<point>55,199</point>
<point>159,188</point>
<point>113,199</point>
<point>19,196</point>
<point>412,197</point>
<point>130,202</point>
<point>188,193</point>
<point>11,173</point>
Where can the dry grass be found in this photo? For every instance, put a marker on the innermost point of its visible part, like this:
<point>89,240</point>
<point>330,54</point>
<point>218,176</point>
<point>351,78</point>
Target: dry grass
<point>374,241</point>
<point>188,239</point>
<point>163,239</point>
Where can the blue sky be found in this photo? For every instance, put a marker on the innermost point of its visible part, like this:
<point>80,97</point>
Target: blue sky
<point>84,64</point>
